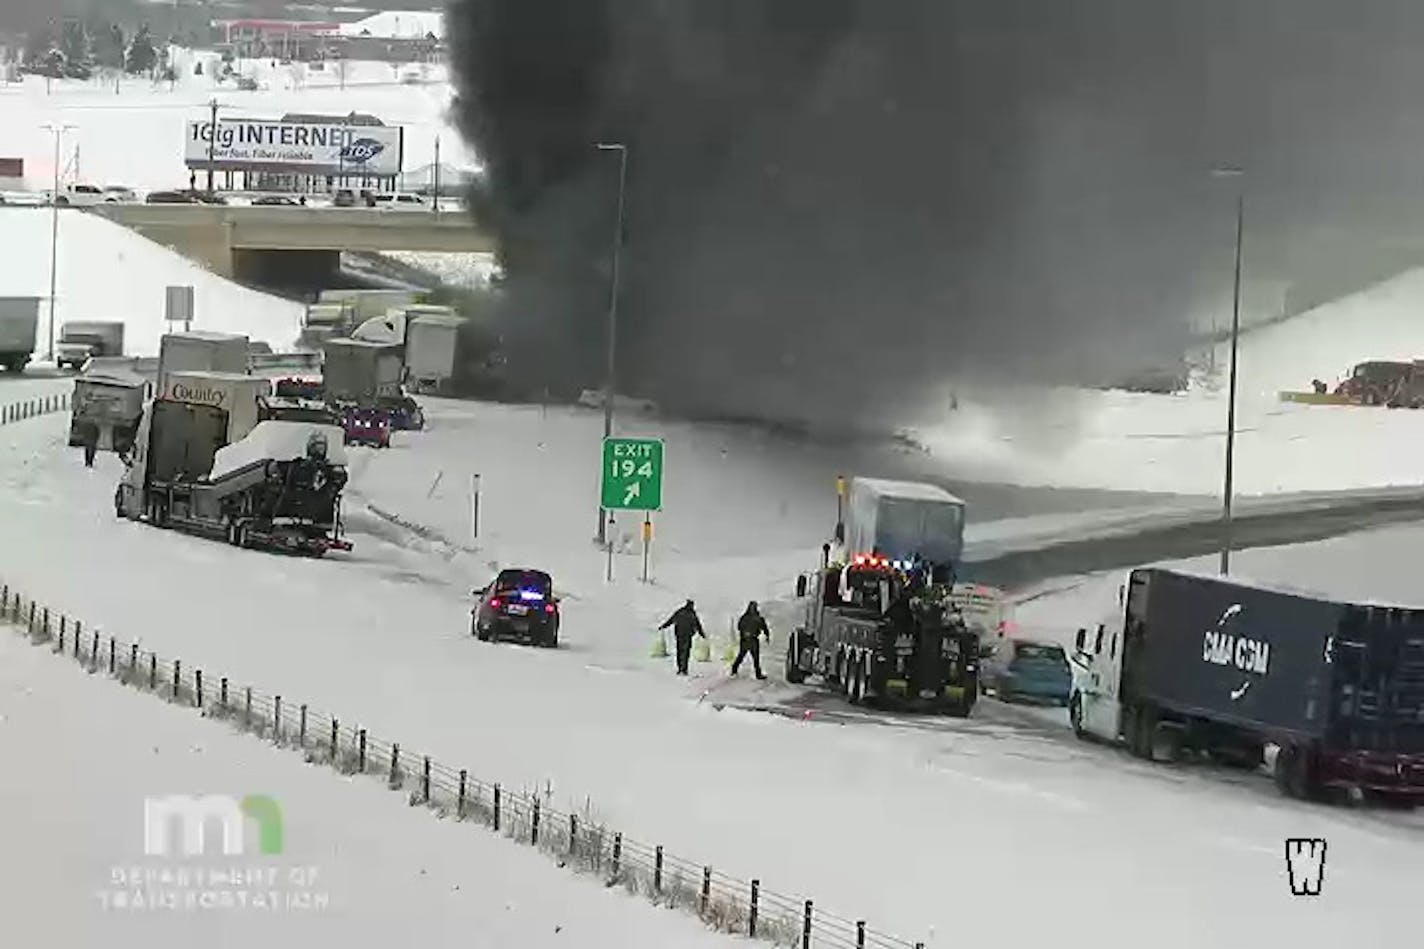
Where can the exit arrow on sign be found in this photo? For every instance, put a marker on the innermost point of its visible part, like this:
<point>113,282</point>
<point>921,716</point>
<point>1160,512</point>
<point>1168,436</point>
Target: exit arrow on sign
<point>631,492</point>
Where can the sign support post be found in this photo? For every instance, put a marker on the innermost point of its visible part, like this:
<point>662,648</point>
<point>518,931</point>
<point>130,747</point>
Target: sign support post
<point>647,541</point>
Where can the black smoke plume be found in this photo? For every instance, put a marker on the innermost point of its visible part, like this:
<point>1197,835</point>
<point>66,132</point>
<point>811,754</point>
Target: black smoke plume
<point>834,206</point>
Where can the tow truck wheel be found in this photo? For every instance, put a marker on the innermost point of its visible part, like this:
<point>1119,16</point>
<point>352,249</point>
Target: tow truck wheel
<point>854,681</point>
<point>794,673</point>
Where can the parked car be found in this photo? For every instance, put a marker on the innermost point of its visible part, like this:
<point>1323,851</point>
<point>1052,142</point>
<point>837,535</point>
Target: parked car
<point>400,201</point>
<point>520,604</point>
<point>119,194</point>
<point>170,197</point>
<point>1024,669</point>
<point>345,198</point>
<point>406,414</point>
<point>275,200</point>
<point>77,195</point>
<point>368,427</point>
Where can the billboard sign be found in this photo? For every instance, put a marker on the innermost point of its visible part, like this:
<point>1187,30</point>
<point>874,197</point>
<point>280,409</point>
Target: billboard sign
<point>299,147</point>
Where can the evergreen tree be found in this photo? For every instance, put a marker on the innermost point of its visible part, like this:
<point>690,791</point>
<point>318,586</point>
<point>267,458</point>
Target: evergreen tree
<point>75,44</point>
<point>142,57</point>
<point>109,47</point>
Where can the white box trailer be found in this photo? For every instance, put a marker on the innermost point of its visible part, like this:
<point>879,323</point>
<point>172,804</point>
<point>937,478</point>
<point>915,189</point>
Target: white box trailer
<point>430,346</point>
<point>237,394</point>
<point>904,519</point>
<point>201,351</point>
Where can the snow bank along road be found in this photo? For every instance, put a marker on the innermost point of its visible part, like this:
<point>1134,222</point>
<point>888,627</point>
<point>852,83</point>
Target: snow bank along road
<point>882,823</point>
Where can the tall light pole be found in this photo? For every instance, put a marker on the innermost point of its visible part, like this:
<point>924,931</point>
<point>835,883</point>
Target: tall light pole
<point>609,378</point>
<point>1228,487</point>
<point>58,132</point>
<point>212,139</point>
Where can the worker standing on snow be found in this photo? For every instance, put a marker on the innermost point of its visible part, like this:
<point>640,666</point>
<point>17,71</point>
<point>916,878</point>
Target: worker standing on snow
<point>750,628</point>
<point>685,625</point>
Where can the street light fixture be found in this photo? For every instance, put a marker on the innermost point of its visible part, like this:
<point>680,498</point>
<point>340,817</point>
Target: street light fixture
<point>609,377</point>
<point>1228,487</point>
<point>58,132</point>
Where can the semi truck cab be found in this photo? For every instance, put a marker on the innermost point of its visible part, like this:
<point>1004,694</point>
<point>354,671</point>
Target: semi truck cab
<point>1094,704</point>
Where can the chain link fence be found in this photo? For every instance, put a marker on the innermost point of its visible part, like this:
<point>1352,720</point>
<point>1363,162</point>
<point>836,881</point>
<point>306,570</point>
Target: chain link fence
<point>574,840</point>
<point>33,408</point>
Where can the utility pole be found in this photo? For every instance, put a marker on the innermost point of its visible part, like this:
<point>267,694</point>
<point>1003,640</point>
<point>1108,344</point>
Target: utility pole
<point>610,380</point>
<point>58,132</point>
<point>436,196</point>
<point>212,139</point>
<point>1228,487</point>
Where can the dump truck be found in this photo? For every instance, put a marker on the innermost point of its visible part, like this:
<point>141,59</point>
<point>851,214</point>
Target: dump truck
<point>19,321</point>
<point>357,373</point>
<point>105,412</point>
<point>1329,694</point>
<point>278,488</point>
<point>201,351</point>
<point>81,341</point>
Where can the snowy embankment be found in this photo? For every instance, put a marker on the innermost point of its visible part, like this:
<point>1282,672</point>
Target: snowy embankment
<point>381,639</point>
<point>1175,443</point>
<point>107,272</point>
<point>357,867</point>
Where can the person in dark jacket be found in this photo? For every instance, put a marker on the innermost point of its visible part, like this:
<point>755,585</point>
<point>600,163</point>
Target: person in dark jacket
<point>750,628</point>
<point>685,625</point>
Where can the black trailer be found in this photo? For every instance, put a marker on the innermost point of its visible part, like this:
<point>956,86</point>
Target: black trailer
<point>876,635</point>
<point>1221,667</point>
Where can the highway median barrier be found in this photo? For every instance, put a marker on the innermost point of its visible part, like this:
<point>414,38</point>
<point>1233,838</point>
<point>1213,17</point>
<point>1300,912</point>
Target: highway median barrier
<point>574,839</point>
<point>26,409</point>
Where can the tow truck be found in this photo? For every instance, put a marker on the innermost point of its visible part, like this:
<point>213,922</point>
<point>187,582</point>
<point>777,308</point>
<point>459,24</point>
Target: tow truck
<point>886,632</point>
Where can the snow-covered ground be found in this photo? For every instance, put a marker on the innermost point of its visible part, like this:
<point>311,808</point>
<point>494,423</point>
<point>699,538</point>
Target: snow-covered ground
<point>1176,443</point>
<point>107,272</point>
<point>989,814</point>
<point>358,867</point>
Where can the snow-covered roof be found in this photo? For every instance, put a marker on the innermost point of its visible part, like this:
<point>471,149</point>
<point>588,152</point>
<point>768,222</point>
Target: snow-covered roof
<point>912,490</point>
<point>398,24</point>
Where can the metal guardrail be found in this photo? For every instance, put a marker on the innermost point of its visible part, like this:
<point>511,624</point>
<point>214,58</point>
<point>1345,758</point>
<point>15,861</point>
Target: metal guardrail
<point>33,408</point>
<point>576,841</point>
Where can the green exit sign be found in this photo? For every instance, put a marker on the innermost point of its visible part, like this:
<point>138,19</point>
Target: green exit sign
<point>632,474</point>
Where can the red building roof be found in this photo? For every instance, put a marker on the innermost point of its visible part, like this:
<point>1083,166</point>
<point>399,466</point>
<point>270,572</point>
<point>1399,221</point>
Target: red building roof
<point>280,26</point>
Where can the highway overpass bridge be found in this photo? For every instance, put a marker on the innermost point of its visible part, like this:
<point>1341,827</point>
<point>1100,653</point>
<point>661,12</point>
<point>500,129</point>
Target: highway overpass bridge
<point>270,244</point>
